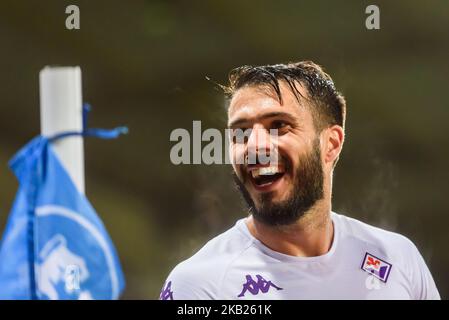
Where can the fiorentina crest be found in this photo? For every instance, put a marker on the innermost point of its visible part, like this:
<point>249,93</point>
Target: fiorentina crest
<point>377,267</point>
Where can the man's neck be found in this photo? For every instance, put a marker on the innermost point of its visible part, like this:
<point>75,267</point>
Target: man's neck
<point>312,235</point>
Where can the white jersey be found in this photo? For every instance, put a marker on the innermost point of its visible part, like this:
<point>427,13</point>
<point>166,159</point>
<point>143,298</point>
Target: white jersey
<point>364,262</point>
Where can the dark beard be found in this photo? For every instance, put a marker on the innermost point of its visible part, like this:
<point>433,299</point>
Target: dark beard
<point>307,190</point>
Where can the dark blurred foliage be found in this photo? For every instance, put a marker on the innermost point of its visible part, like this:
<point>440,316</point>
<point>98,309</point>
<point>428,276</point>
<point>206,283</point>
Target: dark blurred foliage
<point>144,65</point>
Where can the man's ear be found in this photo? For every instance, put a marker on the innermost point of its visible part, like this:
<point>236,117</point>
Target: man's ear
<point>333,139</point>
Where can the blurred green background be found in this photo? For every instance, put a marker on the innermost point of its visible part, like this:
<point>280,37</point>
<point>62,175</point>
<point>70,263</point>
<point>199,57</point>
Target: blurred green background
<point>144,65</point>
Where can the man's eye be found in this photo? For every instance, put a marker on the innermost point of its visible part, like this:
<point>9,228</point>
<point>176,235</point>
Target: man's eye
<point>278,124</point>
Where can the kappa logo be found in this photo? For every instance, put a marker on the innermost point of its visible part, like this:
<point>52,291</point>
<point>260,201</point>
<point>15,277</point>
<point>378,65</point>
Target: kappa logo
<point>377,267</point>
<point>254,287</point>
<point>166,293</point>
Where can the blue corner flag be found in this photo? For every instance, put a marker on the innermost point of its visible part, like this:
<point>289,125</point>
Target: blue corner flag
<point>54,246</point>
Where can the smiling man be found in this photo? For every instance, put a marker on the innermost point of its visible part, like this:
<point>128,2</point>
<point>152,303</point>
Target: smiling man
<point>292,246</point>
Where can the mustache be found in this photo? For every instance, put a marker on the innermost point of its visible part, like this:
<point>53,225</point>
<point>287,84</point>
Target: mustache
<point>262,156</point>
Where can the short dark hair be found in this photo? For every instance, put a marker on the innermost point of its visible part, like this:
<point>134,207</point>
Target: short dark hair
<point>329,105</point>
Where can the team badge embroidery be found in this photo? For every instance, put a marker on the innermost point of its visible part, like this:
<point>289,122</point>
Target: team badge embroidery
<point>377,267</point>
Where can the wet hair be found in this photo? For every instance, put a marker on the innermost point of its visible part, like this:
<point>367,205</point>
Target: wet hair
<point>327,105</point>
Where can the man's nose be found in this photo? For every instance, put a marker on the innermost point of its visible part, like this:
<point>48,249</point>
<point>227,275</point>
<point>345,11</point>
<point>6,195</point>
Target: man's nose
<point>259,140</point>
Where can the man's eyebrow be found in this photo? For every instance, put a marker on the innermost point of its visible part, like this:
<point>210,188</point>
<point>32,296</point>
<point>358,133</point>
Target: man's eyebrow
<point>237,122</point>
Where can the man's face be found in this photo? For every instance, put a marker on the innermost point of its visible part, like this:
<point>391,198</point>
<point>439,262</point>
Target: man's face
<point>279,193</point>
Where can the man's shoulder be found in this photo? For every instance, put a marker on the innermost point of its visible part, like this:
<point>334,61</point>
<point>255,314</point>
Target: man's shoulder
<point>219,250</point>
<point>371,237</point>
<point>395,249</point>
<point>205,269</point>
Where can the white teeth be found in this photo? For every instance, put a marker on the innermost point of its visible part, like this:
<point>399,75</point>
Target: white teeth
<point>265,171</point>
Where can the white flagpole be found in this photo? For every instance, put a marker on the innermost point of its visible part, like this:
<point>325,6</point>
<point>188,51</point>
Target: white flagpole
<point>61,110</point>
